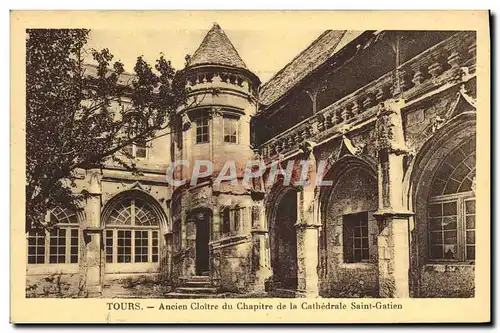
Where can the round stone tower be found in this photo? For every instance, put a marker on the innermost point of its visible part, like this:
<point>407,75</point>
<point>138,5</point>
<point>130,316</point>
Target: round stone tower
<point>211,220</point>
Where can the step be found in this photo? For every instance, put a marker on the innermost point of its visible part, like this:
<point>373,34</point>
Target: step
<point>196,290</point>
<point>199,277</point>
<point>194,283</point>
<point>187,296</point>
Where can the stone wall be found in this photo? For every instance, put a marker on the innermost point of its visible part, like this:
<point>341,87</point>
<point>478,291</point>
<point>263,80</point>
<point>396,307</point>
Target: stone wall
<point>355,192</point>
<point>443,280</point>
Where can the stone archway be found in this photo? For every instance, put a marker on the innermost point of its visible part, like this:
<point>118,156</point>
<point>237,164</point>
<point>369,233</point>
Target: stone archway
<point>348,240</point>
<point>283,240</point>
<point>443,224</point>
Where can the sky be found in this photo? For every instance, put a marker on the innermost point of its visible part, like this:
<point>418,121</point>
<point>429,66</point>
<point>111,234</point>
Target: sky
<point>264,52</point>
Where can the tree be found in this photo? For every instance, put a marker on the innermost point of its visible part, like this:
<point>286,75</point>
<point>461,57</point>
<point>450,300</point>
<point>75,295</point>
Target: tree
<point>80,117</point>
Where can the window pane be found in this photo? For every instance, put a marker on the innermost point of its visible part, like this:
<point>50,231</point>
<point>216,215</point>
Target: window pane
<point>450,252</point>
<point>449,208</point>
<point>435,210</point>
<point>470,207</point>
<point>436,252</point>
<point>435,223</point>
<point>436,237</point>
<point>140,151</point>
<point>449,222</point>
<point>471,252</point>
<point>471,237</point>
<point>450,237</point>
<point>470,222</point>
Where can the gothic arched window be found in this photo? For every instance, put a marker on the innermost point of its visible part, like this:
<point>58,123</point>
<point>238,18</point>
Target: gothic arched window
<point>451,206</point>
<point>132,231</point>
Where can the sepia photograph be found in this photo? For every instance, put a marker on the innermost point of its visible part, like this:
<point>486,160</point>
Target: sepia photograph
<point>336,167</point>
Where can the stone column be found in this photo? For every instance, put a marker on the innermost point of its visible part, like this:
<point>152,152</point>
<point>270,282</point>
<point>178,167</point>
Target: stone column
<point>307,260</point>
<point>169,250</point>
<point>260,248</point>
<point>307,228</point>
<point>392,216</point>
<point>93,236</point>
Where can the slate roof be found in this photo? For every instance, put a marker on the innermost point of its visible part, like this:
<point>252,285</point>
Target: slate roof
<point>217,49</point>
<point>320,50</point>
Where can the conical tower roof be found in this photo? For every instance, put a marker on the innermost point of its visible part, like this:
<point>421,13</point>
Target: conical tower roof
<point>217,49</point>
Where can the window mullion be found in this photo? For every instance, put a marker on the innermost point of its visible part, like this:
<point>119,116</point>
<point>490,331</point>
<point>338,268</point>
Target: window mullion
<point>150,246</point>
<point>132,246</point>
<point>115,246</point>
<point>47,247</point>
<point>67,249</point>
<point>461,234</point>
<point>132,212</point>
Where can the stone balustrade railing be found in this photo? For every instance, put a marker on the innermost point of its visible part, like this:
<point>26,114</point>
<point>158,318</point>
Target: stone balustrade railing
<point>446,62</point>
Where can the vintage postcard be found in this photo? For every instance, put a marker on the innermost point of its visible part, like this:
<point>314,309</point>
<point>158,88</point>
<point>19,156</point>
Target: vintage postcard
<point>258,167</point>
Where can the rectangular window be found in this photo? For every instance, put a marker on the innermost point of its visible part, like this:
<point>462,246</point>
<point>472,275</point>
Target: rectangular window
<point>443,229</point>
<point>141,246</point>
<point>74,246</point>
<point>226,221</point>
<point>237,220</point>
<point>124,246</point>
<point>355,232</point>
<point>36,247</point>
<point>136,150</point>
<point>230,129</point>
<point>109,245</point>
<point>57,246</point>
<point>154,257</point>
<point>202,129</point>
<point>470,229</point>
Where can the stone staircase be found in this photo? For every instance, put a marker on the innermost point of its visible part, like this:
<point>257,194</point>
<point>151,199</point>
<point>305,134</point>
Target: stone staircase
<point>198,286</point>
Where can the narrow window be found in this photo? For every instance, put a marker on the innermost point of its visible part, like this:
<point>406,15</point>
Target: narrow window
<point>124,246</point>
<point>36,247</point>
<point>356,246</point>
<point>226,221</point>
<point>202,129</point>
<point>230,129</point>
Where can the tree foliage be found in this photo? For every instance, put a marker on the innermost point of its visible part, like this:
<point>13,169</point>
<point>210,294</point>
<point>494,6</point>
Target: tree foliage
<point>80,116</point>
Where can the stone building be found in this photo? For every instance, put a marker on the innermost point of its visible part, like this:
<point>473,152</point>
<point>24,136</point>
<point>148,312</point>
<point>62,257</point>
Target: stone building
<point>393,115</point>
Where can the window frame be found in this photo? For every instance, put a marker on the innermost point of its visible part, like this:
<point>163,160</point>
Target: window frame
<point>233,120</point>
<point>461,247</point>
<point>201,117</point>
<point>133,150</point>
<point>348,229</point>
<point>68,227</point>
<point>129,203</point>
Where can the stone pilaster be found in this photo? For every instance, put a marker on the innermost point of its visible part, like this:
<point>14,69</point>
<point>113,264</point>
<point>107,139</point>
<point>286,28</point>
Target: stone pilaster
<point>307,260</point>
<point>261,263</point>
<point>308,229</point>
<point>93,236</point>
<point>392,216</point>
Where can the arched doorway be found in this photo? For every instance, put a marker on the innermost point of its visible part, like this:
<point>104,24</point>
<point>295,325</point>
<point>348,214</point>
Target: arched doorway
<point>283,239</point>
<point>201,220</point>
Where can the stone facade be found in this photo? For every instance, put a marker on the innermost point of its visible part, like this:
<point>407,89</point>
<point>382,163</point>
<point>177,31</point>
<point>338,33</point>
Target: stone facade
<point>396,221</point>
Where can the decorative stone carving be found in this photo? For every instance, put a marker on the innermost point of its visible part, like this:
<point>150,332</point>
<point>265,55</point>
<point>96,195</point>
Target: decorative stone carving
<point>389,128</point>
